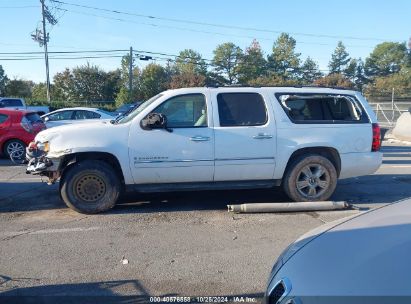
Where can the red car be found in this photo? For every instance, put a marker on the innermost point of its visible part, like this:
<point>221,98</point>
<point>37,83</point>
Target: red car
<point>17,129</point>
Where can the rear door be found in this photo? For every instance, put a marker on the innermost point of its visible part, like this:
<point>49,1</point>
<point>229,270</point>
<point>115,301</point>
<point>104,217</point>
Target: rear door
<point>4,126</point>
<point>245,136</point>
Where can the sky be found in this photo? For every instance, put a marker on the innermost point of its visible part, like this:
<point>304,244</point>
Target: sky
<point>317,26</point>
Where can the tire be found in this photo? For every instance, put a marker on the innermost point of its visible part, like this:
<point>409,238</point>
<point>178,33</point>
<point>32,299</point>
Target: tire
<point>310,178</point>
<point>15,148</point>
<point>90,187</point>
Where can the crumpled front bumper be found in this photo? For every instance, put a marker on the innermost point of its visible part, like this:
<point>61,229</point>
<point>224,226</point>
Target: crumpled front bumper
<point>39,163</point>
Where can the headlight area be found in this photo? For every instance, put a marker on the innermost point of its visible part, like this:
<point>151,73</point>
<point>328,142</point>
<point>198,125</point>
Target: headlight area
<point>39,163</point>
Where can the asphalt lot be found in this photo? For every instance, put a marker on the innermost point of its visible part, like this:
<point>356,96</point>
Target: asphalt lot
<point>176,244</point>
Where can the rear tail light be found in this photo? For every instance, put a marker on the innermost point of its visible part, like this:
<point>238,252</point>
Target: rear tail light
<point>26,125</point>
<point>376,138</point>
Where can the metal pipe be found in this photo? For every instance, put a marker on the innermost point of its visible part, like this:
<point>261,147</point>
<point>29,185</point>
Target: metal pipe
<point>288,207</point>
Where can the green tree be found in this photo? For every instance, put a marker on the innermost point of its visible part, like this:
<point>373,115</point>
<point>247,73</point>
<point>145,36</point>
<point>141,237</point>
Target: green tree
<point>225,61</point>
<point>64,86</point>
<point>122,97</point>
<point>39,92</point>
<point>309,71</point>
<point>191,62</point>
<point>86,83</point>
<point>387,58</point>
<point>339,59</point>
<point>334,80</point>
<point>360,79</point>
<point>252,63</point>
<point>272,81</point>
<point>19,88</point>
<point>154,80</point>
<point>187,80</point>
<point>400,82</point>
<point>3,81</point>
<point>351,69</point>
<point>283,60</point>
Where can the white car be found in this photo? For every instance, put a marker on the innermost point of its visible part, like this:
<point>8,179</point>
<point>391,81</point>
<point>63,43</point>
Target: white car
<point>75,115</point>
<point>303,139</point>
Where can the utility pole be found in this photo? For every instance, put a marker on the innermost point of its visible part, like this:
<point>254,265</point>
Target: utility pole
<point>46,55</point>
<point>130,74</point>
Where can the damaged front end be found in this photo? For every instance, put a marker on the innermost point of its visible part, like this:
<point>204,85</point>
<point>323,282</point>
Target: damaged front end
<point>39,163</point>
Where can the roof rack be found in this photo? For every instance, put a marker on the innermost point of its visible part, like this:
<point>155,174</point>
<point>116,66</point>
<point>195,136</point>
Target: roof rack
<point>280,86</point>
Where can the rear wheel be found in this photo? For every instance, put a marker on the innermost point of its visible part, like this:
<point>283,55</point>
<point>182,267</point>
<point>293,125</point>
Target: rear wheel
<point>15,149</point>
<point>90,186</point>
<point>310,178</point>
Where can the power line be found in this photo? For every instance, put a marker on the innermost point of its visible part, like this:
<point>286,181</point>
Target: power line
<point>201,31</point>
<point>216,24</point>
<point>62,52</point>
<point>21,6</point>
<point>64,58</point>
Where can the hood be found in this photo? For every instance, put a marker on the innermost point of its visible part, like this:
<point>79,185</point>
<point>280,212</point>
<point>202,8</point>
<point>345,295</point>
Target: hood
<point>366,255</point>
<point>99,136</point>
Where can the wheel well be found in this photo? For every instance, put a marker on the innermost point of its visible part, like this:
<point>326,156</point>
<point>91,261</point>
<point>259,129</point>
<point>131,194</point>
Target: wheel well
<point>102,156</point>
<point>330,153</point>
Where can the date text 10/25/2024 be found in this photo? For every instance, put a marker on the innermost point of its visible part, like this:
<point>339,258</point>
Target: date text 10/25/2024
<point>214,299</point>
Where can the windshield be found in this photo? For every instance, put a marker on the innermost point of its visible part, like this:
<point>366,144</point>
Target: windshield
<point>129,116</point>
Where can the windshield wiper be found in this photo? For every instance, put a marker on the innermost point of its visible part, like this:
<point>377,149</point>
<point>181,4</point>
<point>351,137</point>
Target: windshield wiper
<point>121,116</point>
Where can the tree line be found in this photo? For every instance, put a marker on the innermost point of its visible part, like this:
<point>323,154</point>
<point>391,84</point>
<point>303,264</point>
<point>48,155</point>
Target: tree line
<point>388,66</point>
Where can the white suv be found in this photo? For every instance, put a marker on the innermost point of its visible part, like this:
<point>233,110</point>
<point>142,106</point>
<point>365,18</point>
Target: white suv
<point>303,139</point>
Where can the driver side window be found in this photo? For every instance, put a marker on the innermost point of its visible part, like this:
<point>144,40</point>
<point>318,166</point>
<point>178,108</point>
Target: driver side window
<point>185,111</point>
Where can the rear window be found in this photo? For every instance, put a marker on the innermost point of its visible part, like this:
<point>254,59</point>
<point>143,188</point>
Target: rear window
<point>33,117</point>
<point>106,112</point>
<point>3,118</point>
<point>11,103</point>
<point>241,109</point>
<point>318,108</point>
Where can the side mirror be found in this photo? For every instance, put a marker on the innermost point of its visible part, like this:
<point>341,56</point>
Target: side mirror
<point>155,121</point>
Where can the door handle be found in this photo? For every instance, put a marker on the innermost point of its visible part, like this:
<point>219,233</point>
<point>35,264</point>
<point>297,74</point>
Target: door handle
<point>262,136</point>
<point>199,138</point>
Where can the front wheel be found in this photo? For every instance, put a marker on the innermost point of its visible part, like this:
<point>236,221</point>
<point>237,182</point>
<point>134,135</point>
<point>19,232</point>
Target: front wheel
<point>310,178</point>
<point>90,187</point>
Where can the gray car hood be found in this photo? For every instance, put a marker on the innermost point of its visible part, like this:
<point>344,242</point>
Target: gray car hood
<point>366,255</point>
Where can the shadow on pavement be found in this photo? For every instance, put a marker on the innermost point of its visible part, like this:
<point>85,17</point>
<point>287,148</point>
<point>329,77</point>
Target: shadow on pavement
<point>99,292</point>
<point>369,189</point>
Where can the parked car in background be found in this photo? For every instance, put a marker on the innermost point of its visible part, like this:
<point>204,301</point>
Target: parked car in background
<point>303,139</point>
<point>19,104</point>
<point>17,129</point>
<point>360,259</point>
<point>75,115</point>
<point>127,107</point>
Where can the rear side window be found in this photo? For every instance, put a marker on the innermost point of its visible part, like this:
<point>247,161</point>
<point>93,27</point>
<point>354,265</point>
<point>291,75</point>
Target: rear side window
<point>86,115</point>
<point>11,103</point>
<point>3,118</point>
<point>317,108</point>
<point>33,117</point>
<point>241,109</point>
